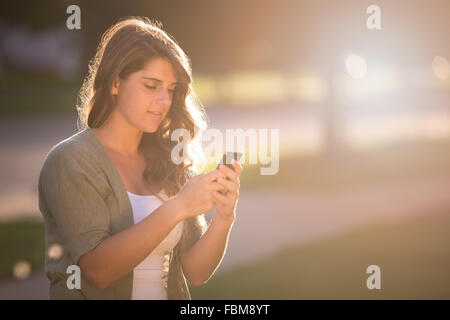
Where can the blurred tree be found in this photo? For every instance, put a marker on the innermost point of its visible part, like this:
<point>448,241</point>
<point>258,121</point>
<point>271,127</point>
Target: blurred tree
<point>34,14</point>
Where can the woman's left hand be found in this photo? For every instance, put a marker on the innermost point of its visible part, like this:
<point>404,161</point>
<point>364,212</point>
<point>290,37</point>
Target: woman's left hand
<point>226,202</point>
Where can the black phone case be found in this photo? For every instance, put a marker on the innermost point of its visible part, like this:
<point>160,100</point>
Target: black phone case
<point>231,155</point>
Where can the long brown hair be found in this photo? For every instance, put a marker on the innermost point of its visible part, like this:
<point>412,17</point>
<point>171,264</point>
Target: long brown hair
<point>125,48</point>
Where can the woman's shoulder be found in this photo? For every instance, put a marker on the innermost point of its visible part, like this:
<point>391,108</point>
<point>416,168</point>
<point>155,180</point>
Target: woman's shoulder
<point>68,144</point>
<point>75,163</point>
<point>76,150</point>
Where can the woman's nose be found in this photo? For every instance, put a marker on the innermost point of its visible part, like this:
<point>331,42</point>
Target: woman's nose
<point>164,96</point>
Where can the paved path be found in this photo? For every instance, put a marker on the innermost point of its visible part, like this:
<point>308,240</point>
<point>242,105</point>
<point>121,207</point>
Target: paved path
<point>269,220</point>
<point>34,287</point>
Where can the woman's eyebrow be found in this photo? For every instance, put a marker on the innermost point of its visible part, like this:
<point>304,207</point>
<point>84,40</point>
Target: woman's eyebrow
<point>158,80</point>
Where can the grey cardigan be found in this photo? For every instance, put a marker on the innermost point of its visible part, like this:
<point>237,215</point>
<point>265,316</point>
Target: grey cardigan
<point>83,201</point>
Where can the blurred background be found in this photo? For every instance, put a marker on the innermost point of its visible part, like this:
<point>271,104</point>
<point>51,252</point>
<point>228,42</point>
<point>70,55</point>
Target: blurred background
<point>364,119</point>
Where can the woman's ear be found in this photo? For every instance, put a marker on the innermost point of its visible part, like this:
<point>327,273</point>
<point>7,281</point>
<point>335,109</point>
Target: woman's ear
<point>115,86</point>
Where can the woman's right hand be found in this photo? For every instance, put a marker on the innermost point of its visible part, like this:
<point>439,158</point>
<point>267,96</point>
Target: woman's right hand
<point>196,195</point>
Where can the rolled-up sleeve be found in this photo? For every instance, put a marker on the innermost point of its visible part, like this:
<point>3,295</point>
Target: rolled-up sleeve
<point>196,227</point>
<point>74,193</point>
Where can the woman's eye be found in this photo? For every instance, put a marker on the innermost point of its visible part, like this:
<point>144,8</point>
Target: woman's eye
<point>154,87</point>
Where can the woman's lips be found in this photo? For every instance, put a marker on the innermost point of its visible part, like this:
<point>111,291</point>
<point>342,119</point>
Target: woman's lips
<point>155,115</point>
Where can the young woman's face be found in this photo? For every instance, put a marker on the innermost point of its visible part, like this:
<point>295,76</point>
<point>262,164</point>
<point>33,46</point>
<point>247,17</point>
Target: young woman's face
<point>145,96</point>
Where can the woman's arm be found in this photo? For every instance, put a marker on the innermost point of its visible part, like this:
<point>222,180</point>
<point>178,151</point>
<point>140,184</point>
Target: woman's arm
<point>201,261</point>
<point>115,256</point>
<point>72,194</point>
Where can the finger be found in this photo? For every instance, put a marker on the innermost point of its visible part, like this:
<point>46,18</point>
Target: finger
<point>215,186</point>
<point>221,198</point>
<point>237,168</point>
<point>229,185</point>
<point>232,197</point>
<point>213,175</point>
<point>229,172</point>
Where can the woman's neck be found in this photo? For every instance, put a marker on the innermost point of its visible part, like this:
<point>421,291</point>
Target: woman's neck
<point>119,136</point>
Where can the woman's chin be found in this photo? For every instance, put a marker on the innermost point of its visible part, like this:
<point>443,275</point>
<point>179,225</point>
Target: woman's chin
<point>150,129</point>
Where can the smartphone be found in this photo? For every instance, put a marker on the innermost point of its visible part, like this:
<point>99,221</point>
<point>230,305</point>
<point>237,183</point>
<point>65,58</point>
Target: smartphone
<point>227,157</point>
<point>226,160</point>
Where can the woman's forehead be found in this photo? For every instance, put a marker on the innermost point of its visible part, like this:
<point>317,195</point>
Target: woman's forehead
<point>159,69</point>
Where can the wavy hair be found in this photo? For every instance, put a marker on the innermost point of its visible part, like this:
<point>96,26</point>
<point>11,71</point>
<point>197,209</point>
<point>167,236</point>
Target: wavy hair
<point>125,48</point>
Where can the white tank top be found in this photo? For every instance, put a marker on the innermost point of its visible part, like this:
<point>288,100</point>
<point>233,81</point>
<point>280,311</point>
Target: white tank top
<point>149,281</point>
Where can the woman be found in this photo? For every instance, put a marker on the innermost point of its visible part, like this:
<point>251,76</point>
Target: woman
<point>113,201</point>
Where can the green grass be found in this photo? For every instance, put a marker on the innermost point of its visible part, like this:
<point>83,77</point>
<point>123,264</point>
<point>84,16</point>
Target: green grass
<point>21,240</point>
<point>35,93</point>
<point>414,258</point>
